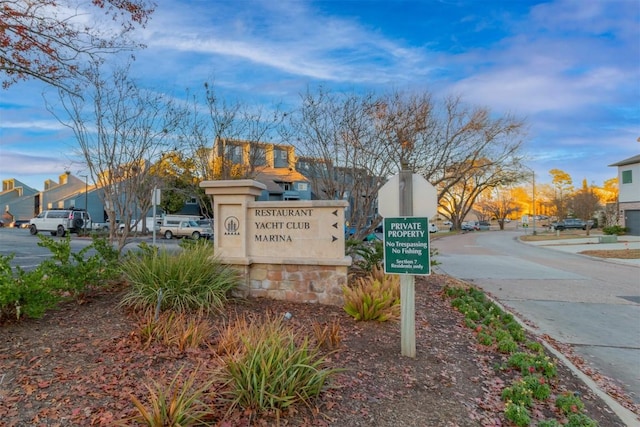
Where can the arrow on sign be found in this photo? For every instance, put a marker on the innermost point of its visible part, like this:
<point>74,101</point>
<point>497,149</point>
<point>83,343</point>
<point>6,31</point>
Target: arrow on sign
<point>335,212</point>
<point>333,239</point>
<point>335,225</point>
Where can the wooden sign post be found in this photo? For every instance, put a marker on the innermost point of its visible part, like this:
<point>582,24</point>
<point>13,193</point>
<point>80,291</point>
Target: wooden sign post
<point>406,241</point>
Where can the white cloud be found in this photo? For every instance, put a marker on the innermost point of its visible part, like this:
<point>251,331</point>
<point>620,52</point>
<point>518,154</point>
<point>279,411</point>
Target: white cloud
<point>34,125</point>
<point>19,164</point>
<point>290,38</point>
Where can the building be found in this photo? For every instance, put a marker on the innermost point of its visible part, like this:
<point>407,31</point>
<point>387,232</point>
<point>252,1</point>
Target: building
<point>21,202</point>
<point>353,185</point>
<point>629,193</point>
<point>17,201</point>
<point>273,165</point>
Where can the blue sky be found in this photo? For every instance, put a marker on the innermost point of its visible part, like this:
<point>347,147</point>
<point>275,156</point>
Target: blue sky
<point>571,68</point>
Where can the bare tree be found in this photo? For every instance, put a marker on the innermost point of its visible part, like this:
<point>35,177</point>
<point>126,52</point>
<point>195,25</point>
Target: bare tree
<point>212,127</point>
<point>342,153</point>
<point>585,202</point>
<point>486,174</point>
<point>121,130</point>
<point>49,40</point>
<point>352,136</point>
<point>499,204</point>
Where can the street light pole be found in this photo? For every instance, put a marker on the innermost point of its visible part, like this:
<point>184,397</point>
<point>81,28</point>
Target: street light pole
<point>86,201</point>
<point>533,198</point>
<point>534,201</point>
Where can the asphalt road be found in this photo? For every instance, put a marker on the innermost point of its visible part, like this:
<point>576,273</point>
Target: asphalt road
<point>591,304</point>
<point>24,247</point>
<point>28,255</point>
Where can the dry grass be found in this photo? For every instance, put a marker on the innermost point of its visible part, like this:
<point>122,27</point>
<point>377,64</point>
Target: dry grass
<point>617,253</point>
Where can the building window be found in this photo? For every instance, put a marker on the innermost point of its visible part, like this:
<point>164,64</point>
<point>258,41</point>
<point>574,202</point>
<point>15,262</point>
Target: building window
<point>286,186</point>
<point>259,156</point>
<point>626,177</point>
<point>234,153</point>
<point>280,158</point>
<point>192,201</point>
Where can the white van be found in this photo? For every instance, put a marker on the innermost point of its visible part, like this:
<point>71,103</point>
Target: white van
<point>60,221</point>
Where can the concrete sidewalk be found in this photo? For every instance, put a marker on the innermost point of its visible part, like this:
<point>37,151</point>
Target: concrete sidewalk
<point>593,244</point>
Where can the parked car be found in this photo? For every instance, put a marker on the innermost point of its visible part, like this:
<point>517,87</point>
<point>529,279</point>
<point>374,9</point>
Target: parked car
<point>59,222</point>
<point>138,226</point>
<point>349,232</point>
<point>484,225</point>
<point>432,229</point>
<point>469,226</point>
<point>184,226</point>
<point>20,223</point>
<point>100,226</point>
<point>569,223</point>
<point>205,222</point>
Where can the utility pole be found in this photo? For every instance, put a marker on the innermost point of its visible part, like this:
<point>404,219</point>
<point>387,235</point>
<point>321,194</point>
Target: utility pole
<point>86,201</point>
<point>533,198</point>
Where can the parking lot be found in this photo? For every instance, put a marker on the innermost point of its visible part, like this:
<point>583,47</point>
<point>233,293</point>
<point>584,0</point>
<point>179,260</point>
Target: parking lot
<point>24,247</point>
<point>28,254</point>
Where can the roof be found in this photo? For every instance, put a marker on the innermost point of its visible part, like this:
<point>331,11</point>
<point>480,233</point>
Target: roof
<point>271,176</point>
<point>629,161</point>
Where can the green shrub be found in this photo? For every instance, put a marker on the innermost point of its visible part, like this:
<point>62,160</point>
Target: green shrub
<point>31,294</point>
<point>72,271</point>
<point>507,346</point>
<point>538,385</point>
<point>535,346</point>
<point>470,324</point>
<point>615,229</point>
<point>516,331</point>
<point>108,255</point>
<point>518,414</point>
<point>366,255</point>
<point>569,403</point>
<point>274,369</point>
<point>455,291</point>
<point>373,297</point>
<point>485,338</point>
<point>533,363</point>
<point>518,394</point>
<point>189,280</point>
<point>580,420</point>
<point>24,294</point>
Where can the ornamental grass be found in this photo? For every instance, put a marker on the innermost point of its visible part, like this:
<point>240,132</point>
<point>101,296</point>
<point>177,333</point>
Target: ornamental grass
<point>191,280</point>
<point>274,369</point>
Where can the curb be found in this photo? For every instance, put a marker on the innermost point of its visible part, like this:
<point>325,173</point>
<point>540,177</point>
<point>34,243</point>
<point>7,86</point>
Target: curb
<point>625,415</point>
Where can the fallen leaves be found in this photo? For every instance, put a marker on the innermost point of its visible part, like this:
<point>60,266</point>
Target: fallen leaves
<point>79,368</point>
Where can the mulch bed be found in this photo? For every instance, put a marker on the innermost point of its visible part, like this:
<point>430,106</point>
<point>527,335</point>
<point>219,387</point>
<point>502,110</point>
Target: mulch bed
<point>79,365</point>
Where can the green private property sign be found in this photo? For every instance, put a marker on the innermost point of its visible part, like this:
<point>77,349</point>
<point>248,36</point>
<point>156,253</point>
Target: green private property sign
<point>406,246</point>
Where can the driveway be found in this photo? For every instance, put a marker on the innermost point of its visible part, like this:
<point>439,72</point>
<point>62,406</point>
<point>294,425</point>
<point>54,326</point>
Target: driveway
<point>589,303</point>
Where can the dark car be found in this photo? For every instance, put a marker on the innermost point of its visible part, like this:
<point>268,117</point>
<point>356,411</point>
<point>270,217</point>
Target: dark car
<point>569,223</point>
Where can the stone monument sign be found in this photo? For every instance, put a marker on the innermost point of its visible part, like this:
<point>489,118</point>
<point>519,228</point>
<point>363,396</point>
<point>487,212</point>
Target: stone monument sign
<point>288,250</point>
